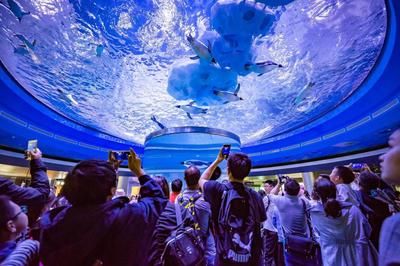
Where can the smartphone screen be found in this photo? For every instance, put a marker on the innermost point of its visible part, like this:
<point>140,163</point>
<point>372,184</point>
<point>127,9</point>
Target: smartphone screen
<point>226,150</point>
<point>121,155</point>
<point>32,145</point>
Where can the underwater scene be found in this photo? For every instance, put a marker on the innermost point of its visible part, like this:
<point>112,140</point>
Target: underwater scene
<point>129,68</point>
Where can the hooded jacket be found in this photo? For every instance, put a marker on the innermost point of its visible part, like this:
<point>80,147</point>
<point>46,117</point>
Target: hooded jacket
<point>114,233</point>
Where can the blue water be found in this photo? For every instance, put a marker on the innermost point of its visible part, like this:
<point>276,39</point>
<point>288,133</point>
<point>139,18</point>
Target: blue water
<point>109,64</point>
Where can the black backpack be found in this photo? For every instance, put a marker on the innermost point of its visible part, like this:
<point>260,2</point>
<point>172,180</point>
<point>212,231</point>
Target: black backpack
<point>184,246</point>
<point>238,223</point>
<point>189,204</point>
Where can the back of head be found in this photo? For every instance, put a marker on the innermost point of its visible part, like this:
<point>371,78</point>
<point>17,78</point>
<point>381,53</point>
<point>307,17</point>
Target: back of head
<point>326,191</point>
<point>216,174</point>
<point>345,174</point>
<point>239,165</point>
<point>90,183</point>
<point>292,187</point>
<point>192,176</point>
<point>176,186</point>
<point>6,211</point>
<point>163,183</point>
<point>324,176</point>
<point>368,181</point>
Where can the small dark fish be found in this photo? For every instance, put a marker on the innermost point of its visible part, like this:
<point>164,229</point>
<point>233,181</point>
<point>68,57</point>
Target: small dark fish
<point>16,9</point>
<point>99,50</point>
<point>154,119</point>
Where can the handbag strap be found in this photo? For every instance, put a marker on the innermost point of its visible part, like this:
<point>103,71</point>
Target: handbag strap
<point>310,227</point>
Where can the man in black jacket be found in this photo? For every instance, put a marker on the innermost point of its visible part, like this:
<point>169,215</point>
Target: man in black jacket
<point>34,196</point>
<point>96,230</point>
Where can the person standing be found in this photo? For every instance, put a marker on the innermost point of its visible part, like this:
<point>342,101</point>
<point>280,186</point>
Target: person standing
<point>237,213</point>
<point>390,232</point>
<point>343,230</point>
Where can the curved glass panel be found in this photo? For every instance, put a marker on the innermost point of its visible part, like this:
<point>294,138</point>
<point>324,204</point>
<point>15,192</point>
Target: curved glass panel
<point>120,66</point>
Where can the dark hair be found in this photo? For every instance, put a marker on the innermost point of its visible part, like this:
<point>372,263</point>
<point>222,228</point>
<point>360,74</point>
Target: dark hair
<point>326,191</point>
<point>345,173</point>
<point>216,174</point>
<point>192,176</point>
<point>270,182</point>
<point>89,182</point>
<point>6,211</point>
<point>163,183</point>
<point>239,165</point>
<point>368,181</point>
<point>176,185</point>
<point>292,187</point>
<point>324,176</point>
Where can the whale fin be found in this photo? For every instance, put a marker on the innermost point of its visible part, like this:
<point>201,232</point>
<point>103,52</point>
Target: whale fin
<point>259,75</point>
<point>195,57</point>
<point>226,102</point>
<point>204,111</point>
<point>237,89</point>
<point>188,115</point>
<point>191,103</point>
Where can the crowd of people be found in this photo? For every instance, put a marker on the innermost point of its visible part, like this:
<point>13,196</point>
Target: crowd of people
<point>347,219</point>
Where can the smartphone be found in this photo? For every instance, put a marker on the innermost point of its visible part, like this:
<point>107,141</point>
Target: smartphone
<point>32,146</point>
<point>357,166</point>
<point>121,155</point>
<point>226,150</point>
<point>282,179</point>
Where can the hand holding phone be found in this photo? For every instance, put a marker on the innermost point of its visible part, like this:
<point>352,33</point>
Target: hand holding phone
<point>282,179</point>
<point>31,149</point>
<point>120,155</point>
<point>226,149</point>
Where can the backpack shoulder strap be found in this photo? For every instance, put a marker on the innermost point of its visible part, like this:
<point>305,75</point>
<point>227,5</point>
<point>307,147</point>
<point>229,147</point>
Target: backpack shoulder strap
<point>178,214</point>
<point>308,218</point>
<point>268,204</point>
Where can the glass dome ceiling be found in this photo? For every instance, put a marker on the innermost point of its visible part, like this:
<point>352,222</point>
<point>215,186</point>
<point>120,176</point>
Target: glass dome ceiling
<point>113,65</point>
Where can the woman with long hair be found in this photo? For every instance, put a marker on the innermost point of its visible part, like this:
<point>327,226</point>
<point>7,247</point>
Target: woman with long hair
<point>344,231</point>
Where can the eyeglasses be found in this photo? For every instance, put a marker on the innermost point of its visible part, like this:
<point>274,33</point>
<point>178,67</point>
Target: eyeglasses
<point>15,216</point>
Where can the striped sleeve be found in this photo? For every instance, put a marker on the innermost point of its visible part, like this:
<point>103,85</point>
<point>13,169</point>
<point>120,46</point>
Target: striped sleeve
<point>25,253</point>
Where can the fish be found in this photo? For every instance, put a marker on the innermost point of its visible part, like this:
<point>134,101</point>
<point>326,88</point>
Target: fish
<point>202,51</point>
<point>68,96</point>
<point>262,67</point>
<point>16,9</point>
<point>99,50</point>
<point>229,96</point>
<point>24,40</point>
<point>154,119</point>
<point>303,94</point>
<point>198,163</point>
<point>21,50</point>
<point>190,109</point>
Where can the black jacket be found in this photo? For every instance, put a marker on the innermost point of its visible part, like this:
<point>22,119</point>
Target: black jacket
<point>115,233</point>
<point>38,191</point>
